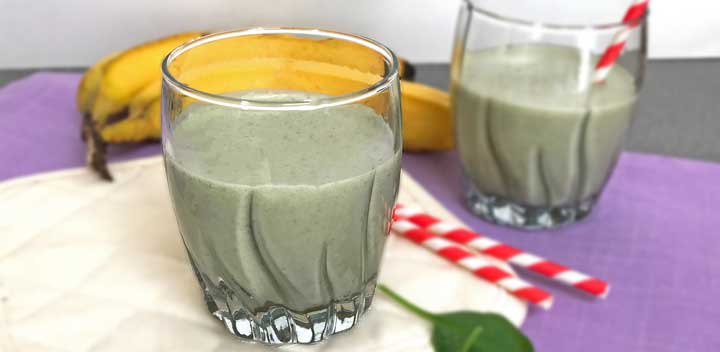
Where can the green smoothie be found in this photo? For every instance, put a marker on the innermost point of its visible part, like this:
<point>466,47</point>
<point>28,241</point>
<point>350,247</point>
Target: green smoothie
<point>283,208</point>
<point>530,132</point>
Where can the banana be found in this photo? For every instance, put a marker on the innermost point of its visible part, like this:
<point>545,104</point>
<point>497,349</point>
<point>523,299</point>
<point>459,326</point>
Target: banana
<point>90,84</point>
<point>129,72</point>
<point>127,84</point>
<point>427,121</point>
<point>146,96</point>
<point>108,87</point>
<point>143,125</point>
<point>143,118</point>
<point>85,100</point>
<point>277,73</point>
<point>330,51</point>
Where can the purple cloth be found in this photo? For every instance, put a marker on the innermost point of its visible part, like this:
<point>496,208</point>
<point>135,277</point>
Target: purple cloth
<point>40,127</point>
<point>653,236</point>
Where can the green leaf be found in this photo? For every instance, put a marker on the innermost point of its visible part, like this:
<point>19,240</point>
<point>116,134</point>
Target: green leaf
<point>476,332</point>
<point>468,331</point>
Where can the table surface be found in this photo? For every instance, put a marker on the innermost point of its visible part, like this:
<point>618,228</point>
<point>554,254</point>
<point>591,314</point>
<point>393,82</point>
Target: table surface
<point>653,232</point>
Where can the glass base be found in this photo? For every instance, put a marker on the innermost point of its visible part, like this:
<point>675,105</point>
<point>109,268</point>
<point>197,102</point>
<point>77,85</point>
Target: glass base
<point>276,324</point>
<point>501,211</point>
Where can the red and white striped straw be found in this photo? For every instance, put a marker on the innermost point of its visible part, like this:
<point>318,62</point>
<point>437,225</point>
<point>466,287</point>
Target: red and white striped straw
<point>631,20</point>
<point>478,266</point>
<point>486,245</point>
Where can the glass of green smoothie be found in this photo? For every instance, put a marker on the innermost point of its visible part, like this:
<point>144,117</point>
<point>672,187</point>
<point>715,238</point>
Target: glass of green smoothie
<point>282,153</point>
<point>537,134</point>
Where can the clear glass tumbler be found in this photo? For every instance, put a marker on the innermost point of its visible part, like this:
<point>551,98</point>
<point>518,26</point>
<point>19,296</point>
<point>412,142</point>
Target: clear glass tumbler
<point>537,136</point>
<point>282,153</point>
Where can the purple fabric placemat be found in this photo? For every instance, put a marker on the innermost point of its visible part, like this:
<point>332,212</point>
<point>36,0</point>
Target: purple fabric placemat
<point>40,127</point>
<point>654,235</point>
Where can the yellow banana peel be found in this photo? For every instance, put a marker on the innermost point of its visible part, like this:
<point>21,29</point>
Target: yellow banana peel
<point>90,84</point>
<point>427,120</point>
<point>142,126</point>
<point>128,84</point>
<point>131,71</point>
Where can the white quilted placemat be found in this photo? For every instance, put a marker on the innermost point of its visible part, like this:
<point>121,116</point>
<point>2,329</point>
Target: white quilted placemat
<point>87,265</point>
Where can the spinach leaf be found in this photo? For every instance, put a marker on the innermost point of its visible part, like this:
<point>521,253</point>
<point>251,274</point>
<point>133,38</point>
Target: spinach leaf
<point>467,331</point>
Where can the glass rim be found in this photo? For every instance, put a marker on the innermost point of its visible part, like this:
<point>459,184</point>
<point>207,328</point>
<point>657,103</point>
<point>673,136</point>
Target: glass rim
<point>316,103</point>
<point>555,26</point>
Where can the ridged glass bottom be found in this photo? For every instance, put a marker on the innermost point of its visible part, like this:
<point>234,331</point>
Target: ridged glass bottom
<point>276,324</point>
<point>501,211</point>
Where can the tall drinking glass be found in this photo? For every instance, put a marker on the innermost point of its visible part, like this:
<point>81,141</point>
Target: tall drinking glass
<point>537,137</point>
<point>282,153</point>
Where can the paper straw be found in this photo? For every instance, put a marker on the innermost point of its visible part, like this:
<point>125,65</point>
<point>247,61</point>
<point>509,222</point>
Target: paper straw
<point>478,266</point>
<point>631,20</point>
<point>517,257</point>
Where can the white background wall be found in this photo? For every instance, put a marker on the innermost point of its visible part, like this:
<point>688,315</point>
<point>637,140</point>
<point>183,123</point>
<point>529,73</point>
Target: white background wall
<point>53,33</point>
